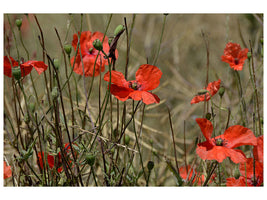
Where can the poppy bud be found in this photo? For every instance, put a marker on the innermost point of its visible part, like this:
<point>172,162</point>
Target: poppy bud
<point>109,41</point>
<point>202,91</point>
<point>261,120</point>
<point>19,23</point>
<point>56,63</point>
<point>55,93</point>
<point>208,116</point>
<point>249,55</point>
<point>32,107</point>
<point>16,72</point>
<point>118,29</point>
<point>90,159</point>
<point>68,49</point>
<point>221,91</point>
<point>98,44</point>
<point>127,139</point>
<point>26,118</point>
<point>150,165</point>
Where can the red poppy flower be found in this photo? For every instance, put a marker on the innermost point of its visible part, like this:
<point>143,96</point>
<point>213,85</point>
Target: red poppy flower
<point>51,160</point>
<point>258,150</point>
<point>89,54</point>
<point>26,67</point>
<point>234,55</point>
<point>147,78</point>
<point>213,88</point>
<point>7,171</point>
<point>222,146</point>
<point>197,177</point>
<point>246,170</point>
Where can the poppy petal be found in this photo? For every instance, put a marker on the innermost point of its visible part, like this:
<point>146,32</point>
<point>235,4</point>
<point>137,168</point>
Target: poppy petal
<point>220,153</point>
<point>258,150</point>
<point>247,169</point>
<point>50,160</point>
<point>39,66</point>
<point>206,127</point>
<point>7,66</point>
<point>146,97</point>
<point>117,78</point>
<point>212,87</point>
<point>148,76</point>
<point>7,171</point>
<point>120,93</point>
<point>236,182</point>
<point>238,135</point>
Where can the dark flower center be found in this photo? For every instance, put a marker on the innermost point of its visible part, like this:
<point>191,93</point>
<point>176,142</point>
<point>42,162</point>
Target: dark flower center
<point>236,61</point>
<point>219,142</point>
<point>134,85</point>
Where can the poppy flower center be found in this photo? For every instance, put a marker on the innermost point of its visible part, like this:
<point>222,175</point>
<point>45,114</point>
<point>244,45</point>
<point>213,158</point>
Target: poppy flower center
<point>236,61</point>
<point>134,85</point>
<point>219,142</point>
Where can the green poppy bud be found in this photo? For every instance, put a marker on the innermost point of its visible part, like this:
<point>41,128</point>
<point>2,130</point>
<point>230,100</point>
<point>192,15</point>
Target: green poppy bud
<point>150,165</point>
<point>19,23</point>
<point>118,29</point>
<point>261,120</point>
<point>16,72</point>
<point>127,140</point>
<point>56,63</point>
<point>98,44</point>
<point>90,159</point>
<point>32,107</point>
<point>55,93</point>
<point>109,41</point>
<point>68,49</point>
<point>208,116</point>
<point>202,91</point>
<point>249,55</point>
<point>26,118</point>
<point>221,91</point>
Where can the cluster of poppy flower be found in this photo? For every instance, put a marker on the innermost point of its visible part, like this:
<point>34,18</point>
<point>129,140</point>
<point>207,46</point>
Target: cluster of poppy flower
<point>51,159</point>
<point>223,146</point>
<point>91,62</point>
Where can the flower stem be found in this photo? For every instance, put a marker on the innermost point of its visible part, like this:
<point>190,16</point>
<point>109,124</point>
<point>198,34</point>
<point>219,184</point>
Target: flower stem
<point>160,40</point>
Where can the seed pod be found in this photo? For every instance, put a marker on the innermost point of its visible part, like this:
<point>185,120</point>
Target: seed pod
<point>127,139</point>
<point>32,107</point>
<point>221,91</point>
<point>249,55</point>
<point>150,165</point>
<point>16,72</point>
<point>56,63</point>
<point>19,23</point>
<point>55,93</point>
<point>118,29</point>
<point>90,159</point>
<point>202,91</point>
<point>98,44</point>
<point>208,116</point>
<point>67,48</point>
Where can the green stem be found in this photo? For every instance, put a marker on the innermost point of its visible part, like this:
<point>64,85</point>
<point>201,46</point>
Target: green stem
<point>160,40</point>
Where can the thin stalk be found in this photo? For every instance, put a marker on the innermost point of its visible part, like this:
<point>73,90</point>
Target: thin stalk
<point>137,143</point>
<point>173,140</point>
<point>160,40</point>
<point>255,86</point>
<point>69,90</point>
